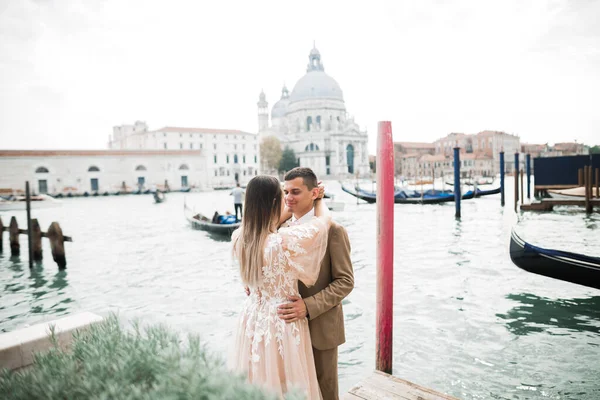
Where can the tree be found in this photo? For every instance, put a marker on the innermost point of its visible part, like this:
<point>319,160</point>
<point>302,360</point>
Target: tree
<point>270,152</point>
<point>595,149</point>
<point>288,160</point>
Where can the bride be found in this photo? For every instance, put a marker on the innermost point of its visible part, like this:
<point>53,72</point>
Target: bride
<point>274,354</point>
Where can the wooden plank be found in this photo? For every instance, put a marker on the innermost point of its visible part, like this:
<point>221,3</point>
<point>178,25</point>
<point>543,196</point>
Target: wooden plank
<point>544,187</point>
<point>380,385</point>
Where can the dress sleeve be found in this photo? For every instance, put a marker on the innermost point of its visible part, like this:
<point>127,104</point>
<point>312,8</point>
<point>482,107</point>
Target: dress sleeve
<point>304,247</point>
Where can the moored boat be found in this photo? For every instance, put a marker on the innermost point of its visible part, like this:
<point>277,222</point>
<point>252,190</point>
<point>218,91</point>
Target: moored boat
<point>558,264</point>
<point>37,202</point>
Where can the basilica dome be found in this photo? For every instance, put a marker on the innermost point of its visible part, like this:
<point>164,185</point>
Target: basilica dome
<point>316,84</point>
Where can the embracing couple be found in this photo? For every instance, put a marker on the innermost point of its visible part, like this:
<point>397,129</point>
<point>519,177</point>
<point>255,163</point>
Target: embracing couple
<point>295,263</point>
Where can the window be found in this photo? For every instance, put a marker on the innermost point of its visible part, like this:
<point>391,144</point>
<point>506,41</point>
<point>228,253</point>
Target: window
<point>43,186</point>
<point>165,134</point>
<point>226,136</point>
<point>184,181</point>
<point>235,146</point>
<point>227,172</point>
<point>216,173</point>
<point>165,145</point>
<point>227,159</point>
<point>308,123</point>
<point>255,159</point>
<point>244,172</point>
<point>190,135</point>
<point>184,167</point>
<point>94,184</point>
<point>181,135</point>
<point>42,170</point>
<point>244,159</point>
<point>311,147</point>
<point>181,145</point>
<point>215,158</point>
<point>235,158</point>
<point>215,146</point>
<point>191,145</point>
<point>199,145</point>
<point>214,136</point>
<point>318,121</point>
<point>93,168</point>
<point>235,136</point>
<point>140,168</point>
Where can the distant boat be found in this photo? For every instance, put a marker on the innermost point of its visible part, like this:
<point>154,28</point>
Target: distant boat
<point>204,223</point>
<point>159,197</point>
<point>13,203</point>
<point>563,265</point>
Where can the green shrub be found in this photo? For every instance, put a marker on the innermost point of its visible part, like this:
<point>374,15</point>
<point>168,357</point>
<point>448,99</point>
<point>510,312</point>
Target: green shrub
<point>109,362</point>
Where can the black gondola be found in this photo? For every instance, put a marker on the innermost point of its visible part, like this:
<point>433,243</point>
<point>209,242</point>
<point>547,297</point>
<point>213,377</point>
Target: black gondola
<point>201,222</point>
<point>371,197</point>
<point>563,265</point>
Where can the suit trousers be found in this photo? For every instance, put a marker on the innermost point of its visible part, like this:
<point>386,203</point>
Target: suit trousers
<point>237,207</point>
<point>327,372</point>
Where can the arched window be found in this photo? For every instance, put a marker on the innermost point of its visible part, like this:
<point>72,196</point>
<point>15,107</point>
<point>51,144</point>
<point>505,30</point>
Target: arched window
<point>93,168</point>
<point>318,121</point>
<point>311,147</point>
<point>184,166</point>
<point>41,170</point>
<point>140,168</point>
<point>235,158</point>
<point>308,123</point>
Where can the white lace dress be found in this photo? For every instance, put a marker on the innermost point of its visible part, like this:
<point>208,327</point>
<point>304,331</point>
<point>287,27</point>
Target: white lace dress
<point>275,354</point>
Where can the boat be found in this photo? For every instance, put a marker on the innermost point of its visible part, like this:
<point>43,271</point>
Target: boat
<point>159,197</point>
<point>408,197</point>
<point>481,193</point>
<point>204,223</point>
<point>566,266</point>
<point>13,203</point>
<point>573,193</point>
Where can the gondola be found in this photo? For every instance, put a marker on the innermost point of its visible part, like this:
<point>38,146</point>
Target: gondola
<point>563,265</point>
<point>481,193</point>
<point>159,197</point>
<point>404,197</point>
<point>201,222</point>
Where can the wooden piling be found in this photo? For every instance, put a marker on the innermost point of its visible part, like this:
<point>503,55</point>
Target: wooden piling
<point>587,188</point>
<point>1,236</point>
<point>29,229</point>
<point>57,244</point>
<point>589,207</point>
<point>597,188</point>
<point>516,175</point>
<point>36,238</point>
<point>580,177</point>
<point>13,229</point>
<point>385,248</point>
<point>457,192</point>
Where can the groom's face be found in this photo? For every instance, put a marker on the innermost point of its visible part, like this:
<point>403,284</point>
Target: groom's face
<point>299,199</point>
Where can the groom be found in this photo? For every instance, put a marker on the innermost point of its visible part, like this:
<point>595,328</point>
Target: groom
<point>321,303</point>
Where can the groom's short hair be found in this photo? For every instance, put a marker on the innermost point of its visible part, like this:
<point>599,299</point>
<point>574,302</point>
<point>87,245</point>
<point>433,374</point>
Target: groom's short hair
<point>308,176</point>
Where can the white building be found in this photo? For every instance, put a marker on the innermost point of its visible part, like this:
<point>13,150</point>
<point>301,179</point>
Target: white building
<point>231,155</point>
<point>101,171</point>
<point>312,120</point>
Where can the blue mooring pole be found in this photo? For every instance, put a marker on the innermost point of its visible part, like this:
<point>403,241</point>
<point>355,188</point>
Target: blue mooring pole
<point>516,180</point>
<point>502,178</point>
<point>457,195</point>
<point>528,171</point>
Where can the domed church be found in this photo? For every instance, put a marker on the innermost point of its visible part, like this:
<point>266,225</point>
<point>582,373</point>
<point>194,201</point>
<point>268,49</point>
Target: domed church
<point>312,120</point>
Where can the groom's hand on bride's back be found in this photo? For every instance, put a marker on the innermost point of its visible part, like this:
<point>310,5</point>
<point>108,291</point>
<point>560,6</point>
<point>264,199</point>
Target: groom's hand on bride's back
<point>293,311</point>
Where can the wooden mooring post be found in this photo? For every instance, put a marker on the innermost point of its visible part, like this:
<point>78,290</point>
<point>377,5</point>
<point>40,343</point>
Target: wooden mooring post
<point>580,177</point>
<point>502,178</point>
<point>522,193</point>
<point>516,175</point>
<point>598,183</point>
<point>588,189</point>
<point>54,234</point>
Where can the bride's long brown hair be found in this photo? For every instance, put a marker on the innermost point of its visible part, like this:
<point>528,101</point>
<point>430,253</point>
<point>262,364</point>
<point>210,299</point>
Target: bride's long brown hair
<point>263,210</point>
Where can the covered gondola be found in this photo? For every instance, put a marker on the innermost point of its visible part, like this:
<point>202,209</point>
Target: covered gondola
<point>408,197</point>
<point>563,265</point>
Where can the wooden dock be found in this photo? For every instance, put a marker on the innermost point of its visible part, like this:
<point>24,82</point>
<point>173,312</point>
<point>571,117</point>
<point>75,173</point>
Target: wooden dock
<point>548,204</point>
<point>379,386</point>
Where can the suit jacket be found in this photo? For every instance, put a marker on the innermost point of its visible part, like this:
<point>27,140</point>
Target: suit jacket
<point>324,299</point>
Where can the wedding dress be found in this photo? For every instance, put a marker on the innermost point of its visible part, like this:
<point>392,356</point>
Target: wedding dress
<point>274,354</point>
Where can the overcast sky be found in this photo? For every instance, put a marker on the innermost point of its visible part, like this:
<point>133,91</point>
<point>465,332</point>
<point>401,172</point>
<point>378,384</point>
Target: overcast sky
<point>71,70</point>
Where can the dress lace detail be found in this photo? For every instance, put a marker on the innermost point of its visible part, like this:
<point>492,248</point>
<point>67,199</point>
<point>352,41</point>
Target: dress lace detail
<point>272,351</point>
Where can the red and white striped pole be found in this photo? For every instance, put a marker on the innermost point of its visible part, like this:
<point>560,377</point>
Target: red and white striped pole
<point>385,246</point>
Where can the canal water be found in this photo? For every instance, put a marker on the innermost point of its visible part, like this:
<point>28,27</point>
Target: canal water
<point>466,320</point>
